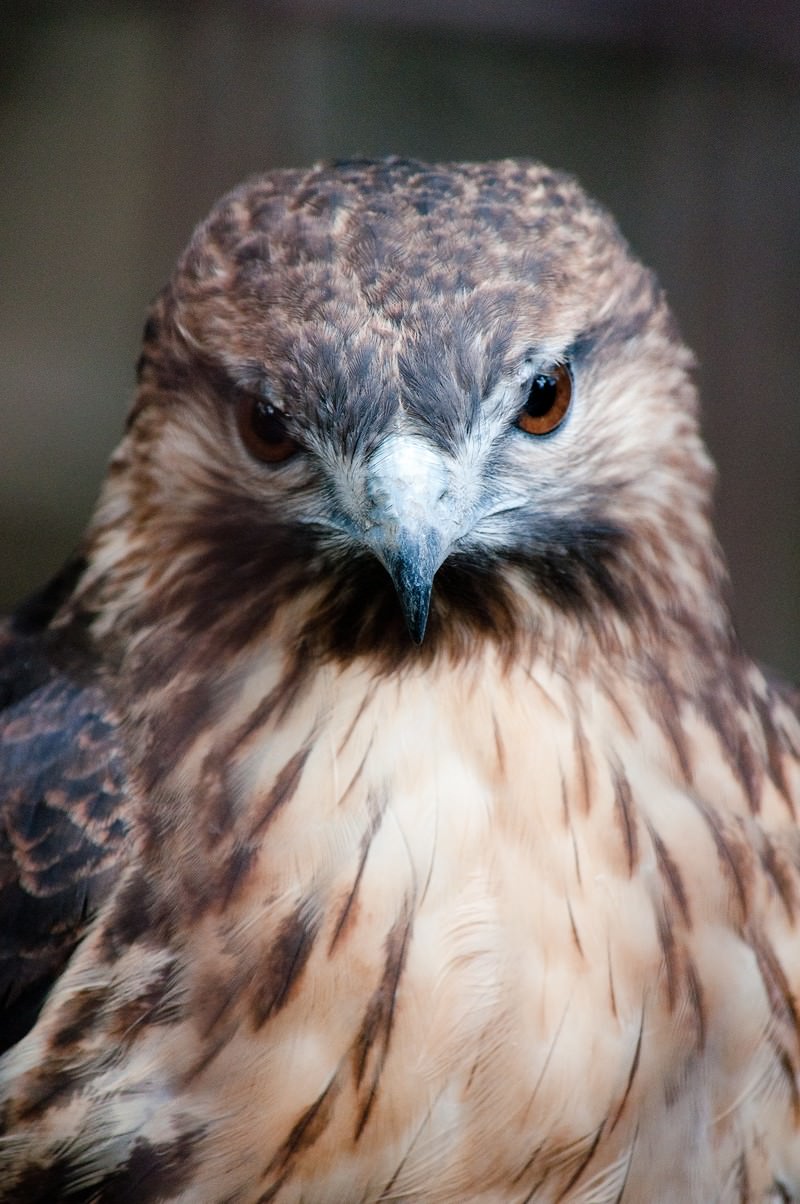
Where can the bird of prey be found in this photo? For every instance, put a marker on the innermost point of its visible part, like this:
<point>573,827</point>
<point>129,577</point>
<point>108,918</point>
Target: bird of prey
<point>389,811</point>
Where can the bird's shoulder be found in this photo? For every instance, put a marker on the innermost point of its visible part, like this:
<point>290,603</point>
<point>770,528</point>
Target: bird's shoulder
<point>63,804</point>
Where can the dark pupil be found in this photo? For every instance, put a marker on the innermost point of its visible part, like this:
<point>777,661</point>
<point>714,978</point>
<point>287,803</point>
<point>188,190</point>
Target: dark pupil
<point>267,423</point>
<point>542,396</point>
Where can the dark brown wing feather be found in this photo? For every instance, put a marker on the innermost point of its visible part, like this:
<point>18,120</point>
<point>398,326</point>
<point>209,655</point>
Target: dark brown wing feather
<point>62,810</point>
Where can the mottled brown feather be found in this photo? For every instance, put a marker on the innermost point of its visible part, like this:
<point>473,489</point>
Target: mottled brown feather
<point>63,811</point>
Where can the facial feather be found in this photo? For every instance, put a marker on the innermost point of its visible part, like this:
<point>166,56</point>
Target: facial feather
<point>364,317</point>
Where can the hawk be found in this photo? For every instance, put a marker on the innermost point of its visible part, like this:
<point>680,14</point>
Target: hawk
<point>389,811</point>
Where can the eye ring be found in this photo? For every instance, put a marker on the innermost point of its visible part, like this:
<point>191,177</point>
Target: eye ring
<point>549,397</point>
<point>262,430</point>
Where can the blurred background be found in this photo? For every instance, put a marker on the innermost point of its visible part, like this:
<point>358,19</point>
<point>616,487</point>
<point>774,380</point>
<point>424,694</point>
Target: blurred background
<point>121,123</point>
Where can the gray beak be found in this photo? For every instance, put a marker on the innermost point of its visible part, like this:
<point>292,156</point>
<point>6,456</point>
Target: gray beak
<point>412,565</point>
<point>413,519</point>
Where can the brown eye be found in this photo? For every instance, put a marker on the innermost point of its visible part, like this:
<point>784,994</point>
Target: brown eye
<point>549,395</point>
<point>263,431</point>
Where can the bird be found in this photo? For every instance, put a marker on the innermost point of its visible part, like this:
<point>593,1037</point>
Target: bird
<point>389,809</point>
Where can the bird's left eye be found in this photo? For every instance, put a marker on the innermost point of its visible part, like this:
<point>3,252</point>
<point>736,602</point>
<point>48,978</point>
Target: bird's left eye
<point>263,430</point>
<point>549,396</point>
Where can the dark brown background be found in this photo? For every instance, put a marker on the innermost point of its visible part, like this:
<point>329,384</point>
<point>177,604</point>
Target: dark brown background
<point>121,123</point>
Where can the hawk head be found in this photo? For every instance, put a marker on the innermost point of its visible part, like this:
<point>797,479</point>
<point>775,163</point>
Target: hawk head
<point>382,401</point>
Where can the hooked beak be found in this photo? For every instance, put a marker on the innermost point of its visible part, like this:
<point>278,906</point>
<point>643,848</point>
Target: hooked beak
<point>413,521</point>
<point>412,565</point>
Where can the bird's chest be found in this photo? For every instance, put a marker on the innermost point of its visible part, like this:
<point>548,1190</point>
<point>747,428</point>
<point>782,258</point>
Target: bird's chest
<point>444,960</point>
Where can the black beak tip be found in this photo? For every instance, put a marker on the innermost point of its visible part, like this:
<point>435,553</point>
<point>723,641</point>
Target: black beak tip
<point>413,590</point>
<point>417,623</point>
<point>412,566</point>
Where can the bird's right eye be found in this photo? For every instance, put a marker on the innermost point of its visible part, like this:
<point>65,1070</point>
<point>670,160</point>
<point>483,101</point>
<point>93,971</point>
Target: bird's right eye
<point>549,397</point>
<point>263,430</point>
